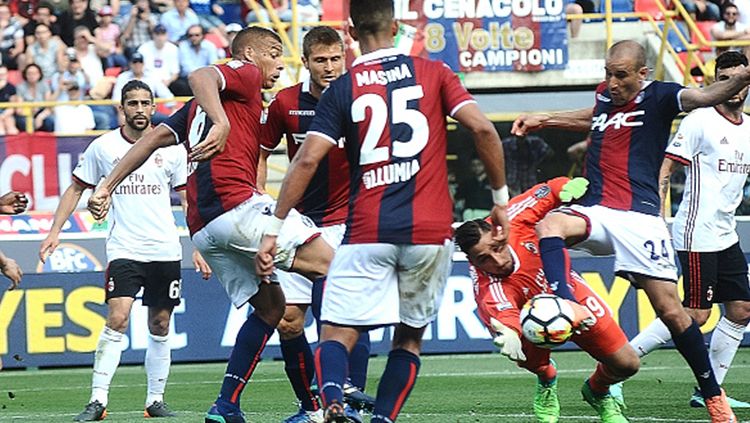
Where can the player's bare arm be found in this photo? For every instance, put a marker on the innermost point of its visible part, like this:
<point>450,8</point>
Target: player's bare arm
<point>13,202</point>
<point>100,201</point>
<point>668,166</point>
<point>65,208</point>
<point>198,261</point>
<point>11,270</point>
<point>206,84</point>
<point>718,92</point>
<point>301,170</point>
<point>490,151</point>
<point>574,120</point>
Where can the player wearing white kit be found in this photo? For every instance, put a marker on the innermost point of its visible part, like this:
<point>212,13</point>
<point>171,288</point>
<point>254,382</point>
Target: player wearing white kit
<point>712,144</point>
<point>143,248</point>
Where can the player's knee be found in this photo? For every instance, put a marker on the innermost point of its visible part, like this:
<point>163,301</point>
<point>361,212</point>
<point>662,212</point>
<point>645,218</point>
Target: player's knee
<point>700,316</point>
<point>738,312</point>
<point>550,226</point>
<point>118,322</point>
<point>291,327</point>
<point>629,366</point>
<point>271,316</point>
<point>675,318</point>
<point>159,326</point>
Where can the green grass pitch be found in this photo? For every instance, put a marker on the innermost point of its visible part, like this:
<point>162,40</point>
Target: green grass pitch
<point>459,388</point>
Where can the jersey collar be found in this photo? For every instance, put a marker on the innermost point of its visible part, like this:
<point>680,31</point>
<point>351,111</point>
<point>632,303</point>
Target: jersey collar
<point>125,136</point>
<point>375,55</point>
<point>306,85</point>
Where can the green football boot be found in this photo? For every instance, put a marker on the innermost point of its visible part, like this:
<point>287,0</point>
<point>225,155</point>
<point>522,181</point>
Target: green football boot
<point>606,406</point>
<point>546,402</point>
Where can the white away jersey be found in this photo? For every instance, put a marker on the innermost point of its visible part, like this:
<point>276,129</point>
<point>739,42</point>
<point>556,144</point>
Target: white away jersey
<point>716,155</point>
<point>142,226</point>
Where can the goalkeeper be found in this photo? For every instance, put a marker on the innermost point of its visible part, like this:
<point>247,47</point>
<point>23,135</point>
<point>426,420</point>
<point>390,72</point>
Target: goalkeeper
<point>507,275</point>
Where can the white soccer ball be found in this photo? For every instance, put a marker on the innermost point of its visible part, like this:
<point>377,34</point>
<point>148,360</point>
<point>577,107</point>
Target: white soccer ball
<point>547,321</point>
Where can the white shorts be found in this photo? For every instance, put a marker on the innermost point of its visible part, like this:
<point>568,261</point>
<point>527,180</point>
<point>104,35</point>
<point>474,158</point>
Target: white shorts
<point>640,242</point>
<point>297,288</point>
<point>383,284</point>
<point>229,244</point>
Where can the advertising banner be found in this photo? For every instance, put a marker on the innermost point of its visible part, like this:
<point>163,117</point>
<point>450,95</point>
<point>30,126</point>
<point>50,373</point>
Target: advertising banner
<point>54,319</point>
<point>485,35</point>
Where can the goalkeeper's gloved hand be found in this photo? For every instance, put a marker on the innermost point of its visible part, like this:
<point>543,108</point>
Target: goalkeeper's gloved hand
<point>507,340</point>
<point>574,189</point>
<point>583,318</point>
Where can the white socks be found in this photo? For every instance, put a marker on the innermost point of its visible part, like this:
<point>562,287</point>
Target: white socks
<point>158,359</point>
<point>725,340</point>
<point>106,360</point>
<point>655,335</point>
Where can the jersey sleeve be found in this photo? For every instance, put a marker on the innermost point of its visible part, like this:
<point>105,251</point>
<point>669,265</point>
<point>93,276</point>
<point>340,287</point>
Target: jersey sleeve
<point>495,300</point>
<point>531,206</point>
<point>453,94</point>
<point>178,180</point>
<point>330,114</point>
<point>240,81</point>
<point>684,144</point>
<point>178,123</point>
<point>87,172</point>
<point>273,128</point>
<point>669,99</point>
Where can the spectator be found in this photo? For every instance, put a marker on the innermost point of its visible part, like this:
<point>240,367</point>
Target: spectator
<point>46,51</point>
<point>280,6</point>
<point>107,36</point>
<point>523,156</point>
<point>208,12</point>
<point>73,74</point>
<point>232,30</point>
<point>70,119</point>
<point>308,10</point>
<point>578,7</point>
<point>729,28</point>
<point>7,116</point>
<point>87,52</point>
<point>33,89</point>
<point>702,10</point>
<point>137,71</point>
<point>475,192</point>
<point>179,20</point>
<point>78,15</point>
<point>195,52</point>
<point>232,11</point>
<point>11,43</point>
<point>139,27</point>
<point>43,15</point>
<point>161,58</point>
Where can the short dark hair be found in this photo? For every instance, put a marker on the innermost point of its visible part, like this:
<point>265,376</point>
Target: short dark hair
<point>324,35</point>
<point>468,234</point>
<point>251,35</point>
<point>132,85</point>
<point>26,70</point>
<point>371,16</point>
<point>730,59</point>
<point>728,5</point>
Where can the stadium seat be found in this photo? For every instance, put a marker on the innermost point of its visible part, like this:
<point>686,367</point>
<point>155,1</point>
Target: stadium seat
<point>672,37</point>
<point>15,77</point>
<point>215,40</point>
<point>705,28</point>
<point>113,71</point>
<point>333,10</point>
<point>619,6</point>
<point>649,7</point>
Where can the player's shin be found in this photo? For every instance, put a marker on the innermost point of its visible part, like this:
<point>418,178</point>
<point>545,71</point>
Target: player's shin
<point>331,366</point>
<point>655,335</point>
<point>725,340</point>
<point>250,342</point>
<point>556,262</point>
<point>398,379</point>
<point>359,359</point>
<point>157,362</point>
<point>692,347</point>
<point>299,368</point>
<point>106,360</point>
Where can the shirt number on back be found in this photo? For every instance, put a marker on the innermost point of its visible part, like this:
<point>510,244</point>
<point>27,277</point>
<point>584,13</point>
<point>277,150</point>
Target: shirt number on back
<point>195,134</point>
<point>401,113</point>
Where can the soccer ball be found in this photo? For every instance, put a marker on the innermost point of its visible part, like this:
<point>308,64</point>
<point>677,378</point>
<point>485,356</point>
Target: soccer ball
<point>547,321</point>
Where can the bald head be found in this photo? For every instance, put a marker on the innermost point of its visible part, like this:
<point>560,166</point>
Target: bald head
<point>628,49</point>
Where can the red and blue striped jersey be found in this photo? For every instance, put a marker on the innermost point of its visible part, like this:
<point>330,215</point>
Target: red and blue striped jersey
<point>228,179</point>
<point>627,147</point>
<point>291,112</point>
<point>390,109</point>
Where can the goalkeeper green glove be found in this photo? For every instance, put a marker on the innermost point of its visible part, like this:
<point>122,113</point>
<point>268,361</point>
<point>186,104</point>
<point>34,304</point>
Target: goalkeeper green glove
<point>574,189</point>
<point>508,341</point>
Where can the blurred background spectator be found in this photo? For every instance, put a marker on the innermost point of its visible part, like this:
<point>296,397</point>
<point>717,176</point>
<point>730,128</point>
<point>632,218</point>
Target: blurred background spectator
<point>474,192</point>
<point>11,44</point>
<point>523,155</point>
<point>195,52</point>
<point>43,15</point>
<point>729,28</point>
<point>88,53</point>
<point>280,6</point>
<point>178,20</point>
<point>703,10</point>
<point>70,119</point>
<point>72,74</point>
<point>7,116</point>
<point>160,57</point>
<point>33,89</point>
<point>137,71</point>
<point>107,36</point>
<point>46,51</point>
<point>78,15</point>
<point>140,24</point>
<point>232,30</point>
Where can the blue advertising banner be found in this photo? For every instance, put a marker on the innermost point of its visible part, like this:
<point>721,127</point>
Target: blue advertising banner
<point>55,319</point>
<point>485,35</point>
